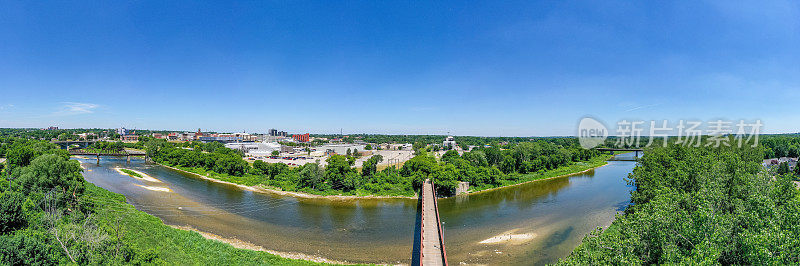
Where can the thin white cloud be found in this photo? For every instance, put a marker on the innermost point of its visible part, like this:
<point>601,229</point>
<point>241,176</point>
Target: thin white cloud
<point>74,108</point>
<point>642,106</point>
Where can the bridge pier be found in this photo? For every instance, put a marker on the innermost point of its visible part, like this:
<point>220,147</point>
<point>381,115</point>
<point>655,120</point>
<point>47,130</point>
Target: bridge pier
<point>98,159</point>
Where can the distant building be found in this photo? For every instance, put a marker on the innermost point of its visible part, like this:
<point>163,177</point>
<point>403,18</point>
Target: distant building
<point>198,134</point>
<point>450,142</point>
<point>186,136</point>
<point>52,128</point>
<point>254,148</point>
<point>158,136</point>
<point>282,133</point>
<point>221,139</point>
<point>122,131</point>
<point>273,132</point>
<point>130,138</point>
<point>302,138</point>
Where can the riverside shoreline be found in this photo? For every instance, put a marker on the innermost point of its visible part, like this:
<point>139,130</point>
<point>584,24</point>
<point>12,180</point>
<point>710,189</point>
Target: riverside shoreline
<point>268,190</point>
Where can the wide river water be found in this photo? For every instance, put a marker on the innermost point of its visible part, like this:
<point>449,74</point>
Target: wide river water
<point>533,223</point>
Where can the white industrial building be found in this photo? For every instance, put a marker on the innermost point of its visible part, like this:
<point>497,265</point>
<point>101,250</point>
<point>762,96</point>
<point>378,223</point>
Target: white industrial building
<point>255,148</point>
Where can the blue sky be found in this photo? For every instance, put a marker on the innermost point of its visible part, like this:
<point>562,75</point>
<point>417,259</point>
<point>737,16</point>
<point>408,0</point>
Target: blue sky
<point>493,68</point>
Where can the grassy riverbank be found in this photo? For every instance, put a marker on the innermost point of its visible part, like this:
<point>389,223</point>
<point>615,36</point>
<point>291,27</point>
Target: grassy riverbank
<point>149,235</point>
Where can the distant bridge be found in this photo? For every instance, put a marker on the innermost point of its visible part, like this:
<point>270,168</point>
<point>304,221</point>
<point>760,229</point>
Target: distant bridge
<point>123,153</point>
<point>66,143</point>
<point>431,250</point>
<point>612,150</point>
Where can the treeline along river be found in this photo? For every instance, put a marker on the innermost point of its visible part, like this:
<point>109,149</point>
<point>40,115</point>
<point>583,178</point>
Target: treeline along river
<point>531,223</point>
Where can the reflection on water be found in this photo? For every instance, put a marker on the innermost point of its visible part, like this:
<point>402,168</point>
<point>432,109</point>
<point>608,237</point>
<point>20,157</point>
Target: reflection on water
<point>556,212</point>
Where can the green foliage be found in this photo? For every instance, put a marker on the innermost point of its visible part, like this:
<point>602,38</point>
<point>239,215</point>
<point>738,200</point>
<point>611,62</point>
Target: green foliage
<point>701,206</point>
<point>28,248</point>
<point>12,213</point>
<point>370,166</point>
<point>783,168</point>
<point>131,173</point>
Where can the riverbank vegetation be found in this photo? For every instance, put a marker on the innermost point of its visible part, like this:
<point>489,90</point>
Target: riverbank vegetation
<point>483,168</point>
<point>701,206</point>
<point>50,215</point>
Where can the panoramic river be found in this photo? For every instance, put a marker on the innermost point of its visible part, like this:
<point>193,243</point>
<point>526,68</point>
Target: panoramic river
<point>533,223</point>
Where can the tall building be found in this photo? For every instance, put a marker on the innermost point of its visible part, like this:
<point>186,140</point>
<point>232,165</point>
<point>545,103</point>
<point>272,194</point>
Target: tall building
<point>273,132</point>
<point>122,131</point>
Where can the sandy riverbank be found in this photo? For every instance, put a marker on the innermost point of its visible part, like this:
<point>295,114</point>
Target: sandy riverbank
<point>246,245</point>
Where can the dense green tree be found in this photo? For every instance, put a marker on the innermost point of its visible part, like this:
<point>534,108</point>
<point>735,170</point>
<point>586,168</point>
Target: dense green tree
<point>450,156</point>
<point>370,166</point>
<point>19,155</point>
<point>24,249</point>
<point>336,170</point>
<point>312,176</point>
<point>783,168</point>
<point>700,206</point>
<point>12,215</point>
<point>51,173</point>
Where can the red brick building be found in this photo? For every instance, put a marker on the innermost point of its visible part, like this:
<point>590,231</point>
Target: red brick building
<point>302,138</point>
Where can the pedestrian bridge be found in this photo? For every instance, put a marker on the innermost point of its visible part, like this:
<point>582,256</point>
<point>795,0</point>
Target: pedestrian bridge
<point>431,249</point>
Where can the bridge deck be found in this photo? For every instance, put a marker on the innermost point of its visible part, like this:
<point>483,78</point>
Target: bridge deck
<point>432,244</point>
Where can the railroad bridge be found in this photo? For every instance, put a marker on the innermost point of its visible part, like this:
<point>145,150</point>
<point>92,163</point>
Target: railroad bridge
<point>123,153</point>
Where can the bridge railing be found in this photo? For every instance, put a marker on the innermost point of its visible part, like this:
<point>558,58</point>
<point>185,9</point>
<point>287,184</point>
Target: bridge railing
<point>422,226</point>
<point>439,223</point>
